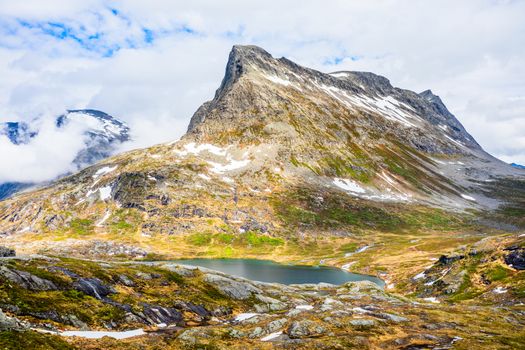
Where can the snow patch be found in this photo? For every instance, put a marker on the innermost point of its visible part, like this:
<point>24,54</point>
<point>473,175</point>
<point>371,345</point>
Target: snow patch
<point>103,171</point>
<point>232,165</point>
<point>431,300</point>
<point>277,80</point>
<point>360,310</point>
<point>362,249</point>
<point>348,185</point>
<point>419,276</point>
<point>105,192</point>
<point>205,177</point>
<point>454,141</point>
<point>245,316</point>
<point>228,179</point>
<point>469,198</point>
<point>101,334</point>
<point>304,307</point>
<point>387,106</point>
<point>193,148</point>
<point>499,290</point>
<point>346,266</point>
<point>339,74</point>
<point>272,336</point>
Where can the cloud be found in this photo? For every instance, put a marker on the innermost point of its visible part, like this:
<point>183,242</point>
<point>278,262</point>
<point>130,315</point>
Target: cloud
<point>153,63</point>
<point>48,155</point>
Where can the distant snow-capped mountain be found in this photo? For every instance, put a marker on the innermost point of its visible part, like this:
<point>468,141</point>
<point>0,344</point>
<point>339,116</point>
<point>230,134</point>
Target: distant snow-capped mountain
<point>104,133</point>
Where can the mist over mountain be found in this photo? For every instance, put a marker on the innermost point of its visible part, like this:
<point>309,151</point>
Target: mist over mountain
<point>100,133</point>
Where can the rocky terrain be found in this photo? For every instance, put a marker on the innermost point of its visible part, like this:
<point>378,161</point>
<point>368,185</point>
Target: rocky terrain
<point>294,165</point>
<point>176,306</point>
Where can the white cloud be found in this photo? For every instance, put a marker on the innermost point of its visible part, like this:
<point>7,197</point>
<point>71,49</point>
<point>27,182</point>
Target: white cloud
<point>469,52</point>
<point>48,155</point>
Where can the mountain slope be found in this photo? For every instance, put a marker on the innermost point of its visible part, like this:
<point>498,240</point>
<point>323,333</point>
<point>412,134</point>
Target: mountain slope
<point>282,157</point>
<point>103,133</point>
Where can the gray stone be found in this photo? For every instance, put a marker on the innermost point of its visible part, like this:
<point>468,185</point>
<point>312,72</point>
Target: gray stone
<point>257,332</point>
<point>363,323</point>
<point>6,252</point>
<point>393,318</point>
<point>363,287</point>
<point>8,323</point>
<point>93,287</point>
<point>26,280</point>
<point>156,314</point>
<point>236,333</point>
<point>305,329</point>
<point>125,280</point>
<point>271,303</point>
<point>232,288</point>
<point>185,271</point>
<point>276,325</point>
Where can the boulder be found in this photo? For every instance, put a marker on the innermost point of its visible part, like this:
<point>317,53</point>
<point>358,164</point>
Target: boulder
<point>362,287</point>
<point>239,290</point>
<point>446,260</point>
<point>516,259</point>
<point>186,271</point>
<point>155,314</point>
<point>305,329</point>
<point>125,280</point>
<point>8,323</point>
<point>268,304</point>
<point>363,323</point>
<point>6,252</point>
<point>93,287</point>
<point>26,280</point>
<point>236,333</point>
<point>276,325</point>
<point>392,317</point>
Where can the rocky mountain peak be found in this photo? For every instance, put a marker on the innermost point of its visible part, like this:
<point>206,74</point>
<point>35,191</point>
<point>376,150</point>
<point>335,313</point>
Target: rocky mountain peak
<point>241,59</point>
<point>259,90</point>
<point>436,101</point>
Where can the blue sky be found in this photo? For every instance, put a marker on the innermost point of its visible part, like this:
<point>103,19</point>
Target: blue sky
<point>152,63</point>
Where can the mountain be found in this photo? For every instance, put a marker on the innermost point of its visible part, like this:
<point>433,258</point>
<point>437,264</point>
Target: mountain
<point>278,134</point>
<point>519,166</point>
<point>294,165</point>
<point>103,135</point>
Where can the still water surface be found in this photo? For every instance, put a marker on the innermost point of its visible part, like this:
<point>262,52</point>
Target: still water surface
<point>269,271</point>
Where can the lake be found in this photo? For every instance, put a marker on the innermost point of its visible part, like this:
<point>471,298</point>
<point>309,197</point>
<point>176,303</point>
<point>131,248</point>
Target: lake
<point>269,271</point>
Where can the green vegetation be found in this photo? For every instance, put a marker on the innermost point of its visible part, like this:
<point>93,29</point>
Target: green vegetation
<point>301,207</point>
<point>340,167</point>
<point>199,239</point>
<point>124,221</point>
<point>24,340</point>
<point>497,273</point>
<point>81,226</point>
<point>257,240</point>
